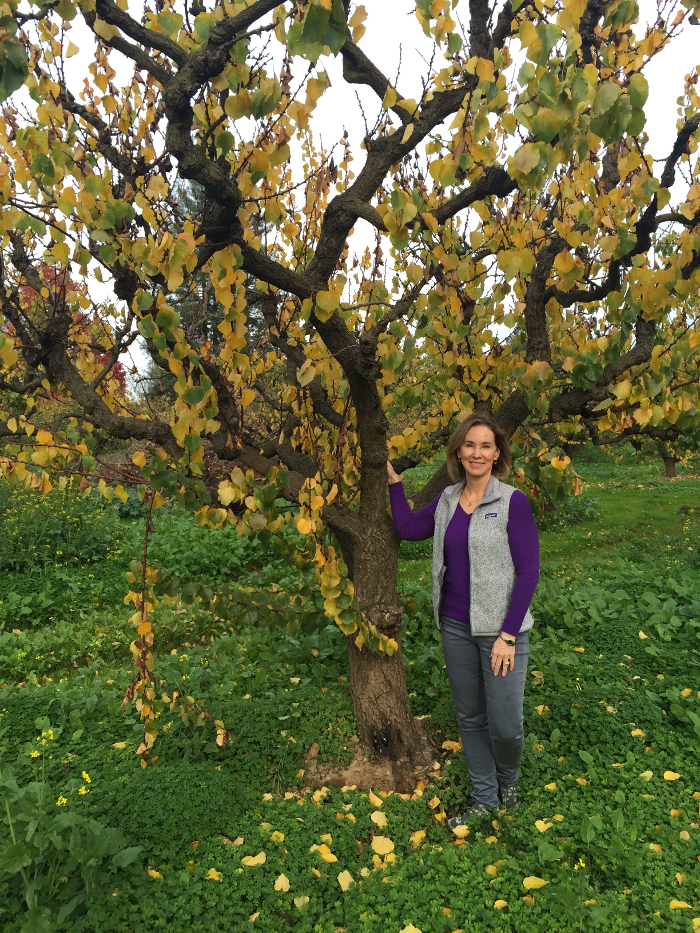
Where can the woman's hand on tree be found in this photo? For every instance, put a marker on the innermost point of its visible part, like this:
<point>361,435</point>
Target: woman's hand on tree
<point>393,475</point>
<point>502,657</point>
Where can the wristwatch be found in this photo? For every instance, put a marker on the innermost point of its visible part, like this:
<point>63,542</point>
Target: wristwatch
<point>508,639</point>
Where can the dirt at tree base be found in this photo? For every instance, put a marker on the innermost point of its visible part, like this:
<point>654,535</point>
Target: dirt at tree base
<point>368,771</point>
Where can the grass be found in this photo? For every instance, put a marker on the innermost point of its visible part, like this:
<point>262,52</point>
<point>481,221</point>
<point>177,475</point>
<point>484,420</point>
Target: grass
<point>610,773</point>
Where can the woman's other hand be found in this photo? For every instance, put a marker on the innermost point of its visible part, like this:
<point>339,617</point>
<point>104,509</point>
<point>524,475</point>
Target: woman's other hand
<point>502,657</point>
<point>393,475</point>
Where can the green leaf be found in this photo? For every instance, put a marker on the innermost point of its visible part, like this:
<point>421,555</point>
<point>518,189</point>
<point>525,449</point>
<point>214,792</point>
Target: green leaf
<point>14,857</point>
<point>638,90</point>
<point>454,42</point>
<point>546,124</point>
<point>107,253</point>
<point>315,24</point>
<point>126,856</point>
<point>170,23</point>
<point>225,142</point>
<point>194,395</point>
<point>606,97</point>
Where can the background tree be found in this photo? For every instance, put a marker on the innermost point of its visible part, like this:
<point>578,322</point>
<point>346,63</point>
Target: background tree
<point>515,211</point>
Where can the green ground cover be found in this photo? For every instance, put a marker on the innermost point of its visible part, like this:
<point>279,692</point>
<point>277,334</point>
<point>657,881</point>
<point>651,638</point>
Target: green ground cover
<point>610,774</point>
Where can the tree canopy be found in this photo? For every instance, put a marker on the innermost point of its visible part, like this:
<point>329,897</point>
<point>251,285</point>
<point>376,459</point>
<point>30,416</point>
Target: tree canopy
<point>532,255</point>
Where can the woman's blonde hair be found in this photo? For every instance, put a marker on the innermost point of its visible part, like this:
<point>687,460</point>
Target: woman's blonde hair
<point>501,467</point>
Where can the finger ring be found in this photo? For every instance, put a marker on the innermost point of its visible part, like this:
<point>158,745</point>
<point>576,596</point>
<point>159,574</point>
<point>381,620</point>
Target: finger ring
<point>507,662</point>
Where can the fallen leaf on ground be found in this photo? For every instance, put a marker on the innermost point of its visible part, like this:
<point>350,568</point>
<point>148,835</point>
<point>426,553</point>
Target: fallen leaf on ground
<point>213,875</point>
<point>258,859</point>
<point>532,882</point>
<point>382,845</point>
<point>282,883</point>
<point>542,826</point>
<point>345,879</point>
<point>378,817</point>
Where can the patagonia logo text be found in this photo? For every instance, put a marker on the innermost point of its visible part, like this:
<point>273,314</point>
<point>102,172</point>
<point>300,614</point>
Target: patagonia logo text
<point>491,515</point>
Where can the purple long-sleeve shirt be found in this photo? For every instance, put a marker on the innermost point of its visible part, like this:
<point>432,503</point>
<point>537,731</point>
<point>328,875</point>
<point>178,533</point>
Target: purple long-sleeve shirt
<point>524,549</point>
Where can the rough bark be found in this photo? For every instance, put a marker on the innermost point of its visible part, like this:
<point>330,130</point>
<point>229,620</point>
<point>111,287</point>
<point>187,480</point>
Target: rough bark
<point>670,466</point>
<point>385,722</point>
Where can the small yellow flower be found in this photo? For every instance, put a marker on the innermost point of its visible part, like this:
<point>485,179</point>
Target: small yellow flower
<point>86,777</point>
<point>83,790</point>
<point>35,754</point>
<point>61,801</point>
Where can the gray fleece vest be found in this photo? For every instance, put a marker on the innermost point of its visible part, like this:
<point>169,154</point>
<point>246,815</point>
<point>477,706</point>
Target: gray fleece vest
<point>491,569</point>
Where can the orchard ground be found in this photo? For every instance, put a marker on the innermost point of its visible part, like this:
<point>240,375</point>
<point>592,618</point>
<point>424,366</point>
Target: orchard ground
<point>238,838</point>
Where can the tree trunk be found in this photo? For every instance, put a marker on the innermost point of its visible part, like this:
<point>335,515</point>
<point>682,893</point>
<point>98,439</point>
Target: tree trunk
<point>377,682</point>
<point>670,466</point>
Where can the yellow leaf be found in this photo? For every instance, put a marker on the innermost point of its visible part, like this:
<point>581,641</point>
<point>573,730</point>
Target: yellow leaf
<point>642,635</point>
<point>680,878</point>
<point>44,437</point>
<point>258,859</point>
<point>121,493</point>
<point>410,929</point>
<point>158,501</point>
<point>153,873</point>
<point>552,786</point>
<point>213,875</point>
<point>277,836</point>
<point>671,776</point>
<point>409,105</point>
<point>407,133</point>
<point>254,917</point>
<point>558,817</point>
<point>435,802</point>
<point>637,732</point>
<point>686,692</point>
<point>326,853</point>
<point>119,745</point>
<point>532,882</point>
<point>461,832</point>
<point>389,98</point>
<point>382,845</point>
<point>72,50</point>
<point>655,847</point>
<point>579,649</point>
<point>139,459</point>
<point>417,837</point>
<point>304,526</point>
<point>542,826</point>
<point>345,879</point>
<point>678,905</point>
<point>490,840</point>
<point>491,870</point>
<point>301,902</point>
<point>647,775</point>
<point>582,781</point>
<point>282,883</point>
<point>247,396</point>
<point>374,800</point>
<point>685,835</point>
<point>500,904</point>
<point>676,812</point>
<point>378,817</point>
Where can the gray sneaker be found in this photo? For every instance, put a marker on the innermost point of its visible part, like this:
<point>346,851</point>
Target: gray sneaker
<point>510,799</point>
<point>474,811</point>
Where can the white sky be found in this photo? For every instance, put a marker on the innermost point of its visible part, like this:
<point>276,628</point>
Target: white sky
<point>393,34</point>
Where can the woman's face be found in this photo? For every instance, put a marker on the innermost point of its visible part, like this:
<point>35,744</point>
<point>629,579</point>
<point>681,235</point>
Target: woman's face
<point>479,452</point>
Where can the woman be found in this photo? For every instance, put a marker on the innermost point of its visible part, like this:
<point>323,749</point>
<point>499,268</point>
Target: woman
<point>485,570</point>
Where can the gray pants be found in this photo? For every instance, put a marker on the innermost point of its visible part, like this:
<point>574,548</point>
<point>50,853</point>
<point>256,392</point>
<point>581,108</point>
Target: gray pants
<point>489,709</point>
